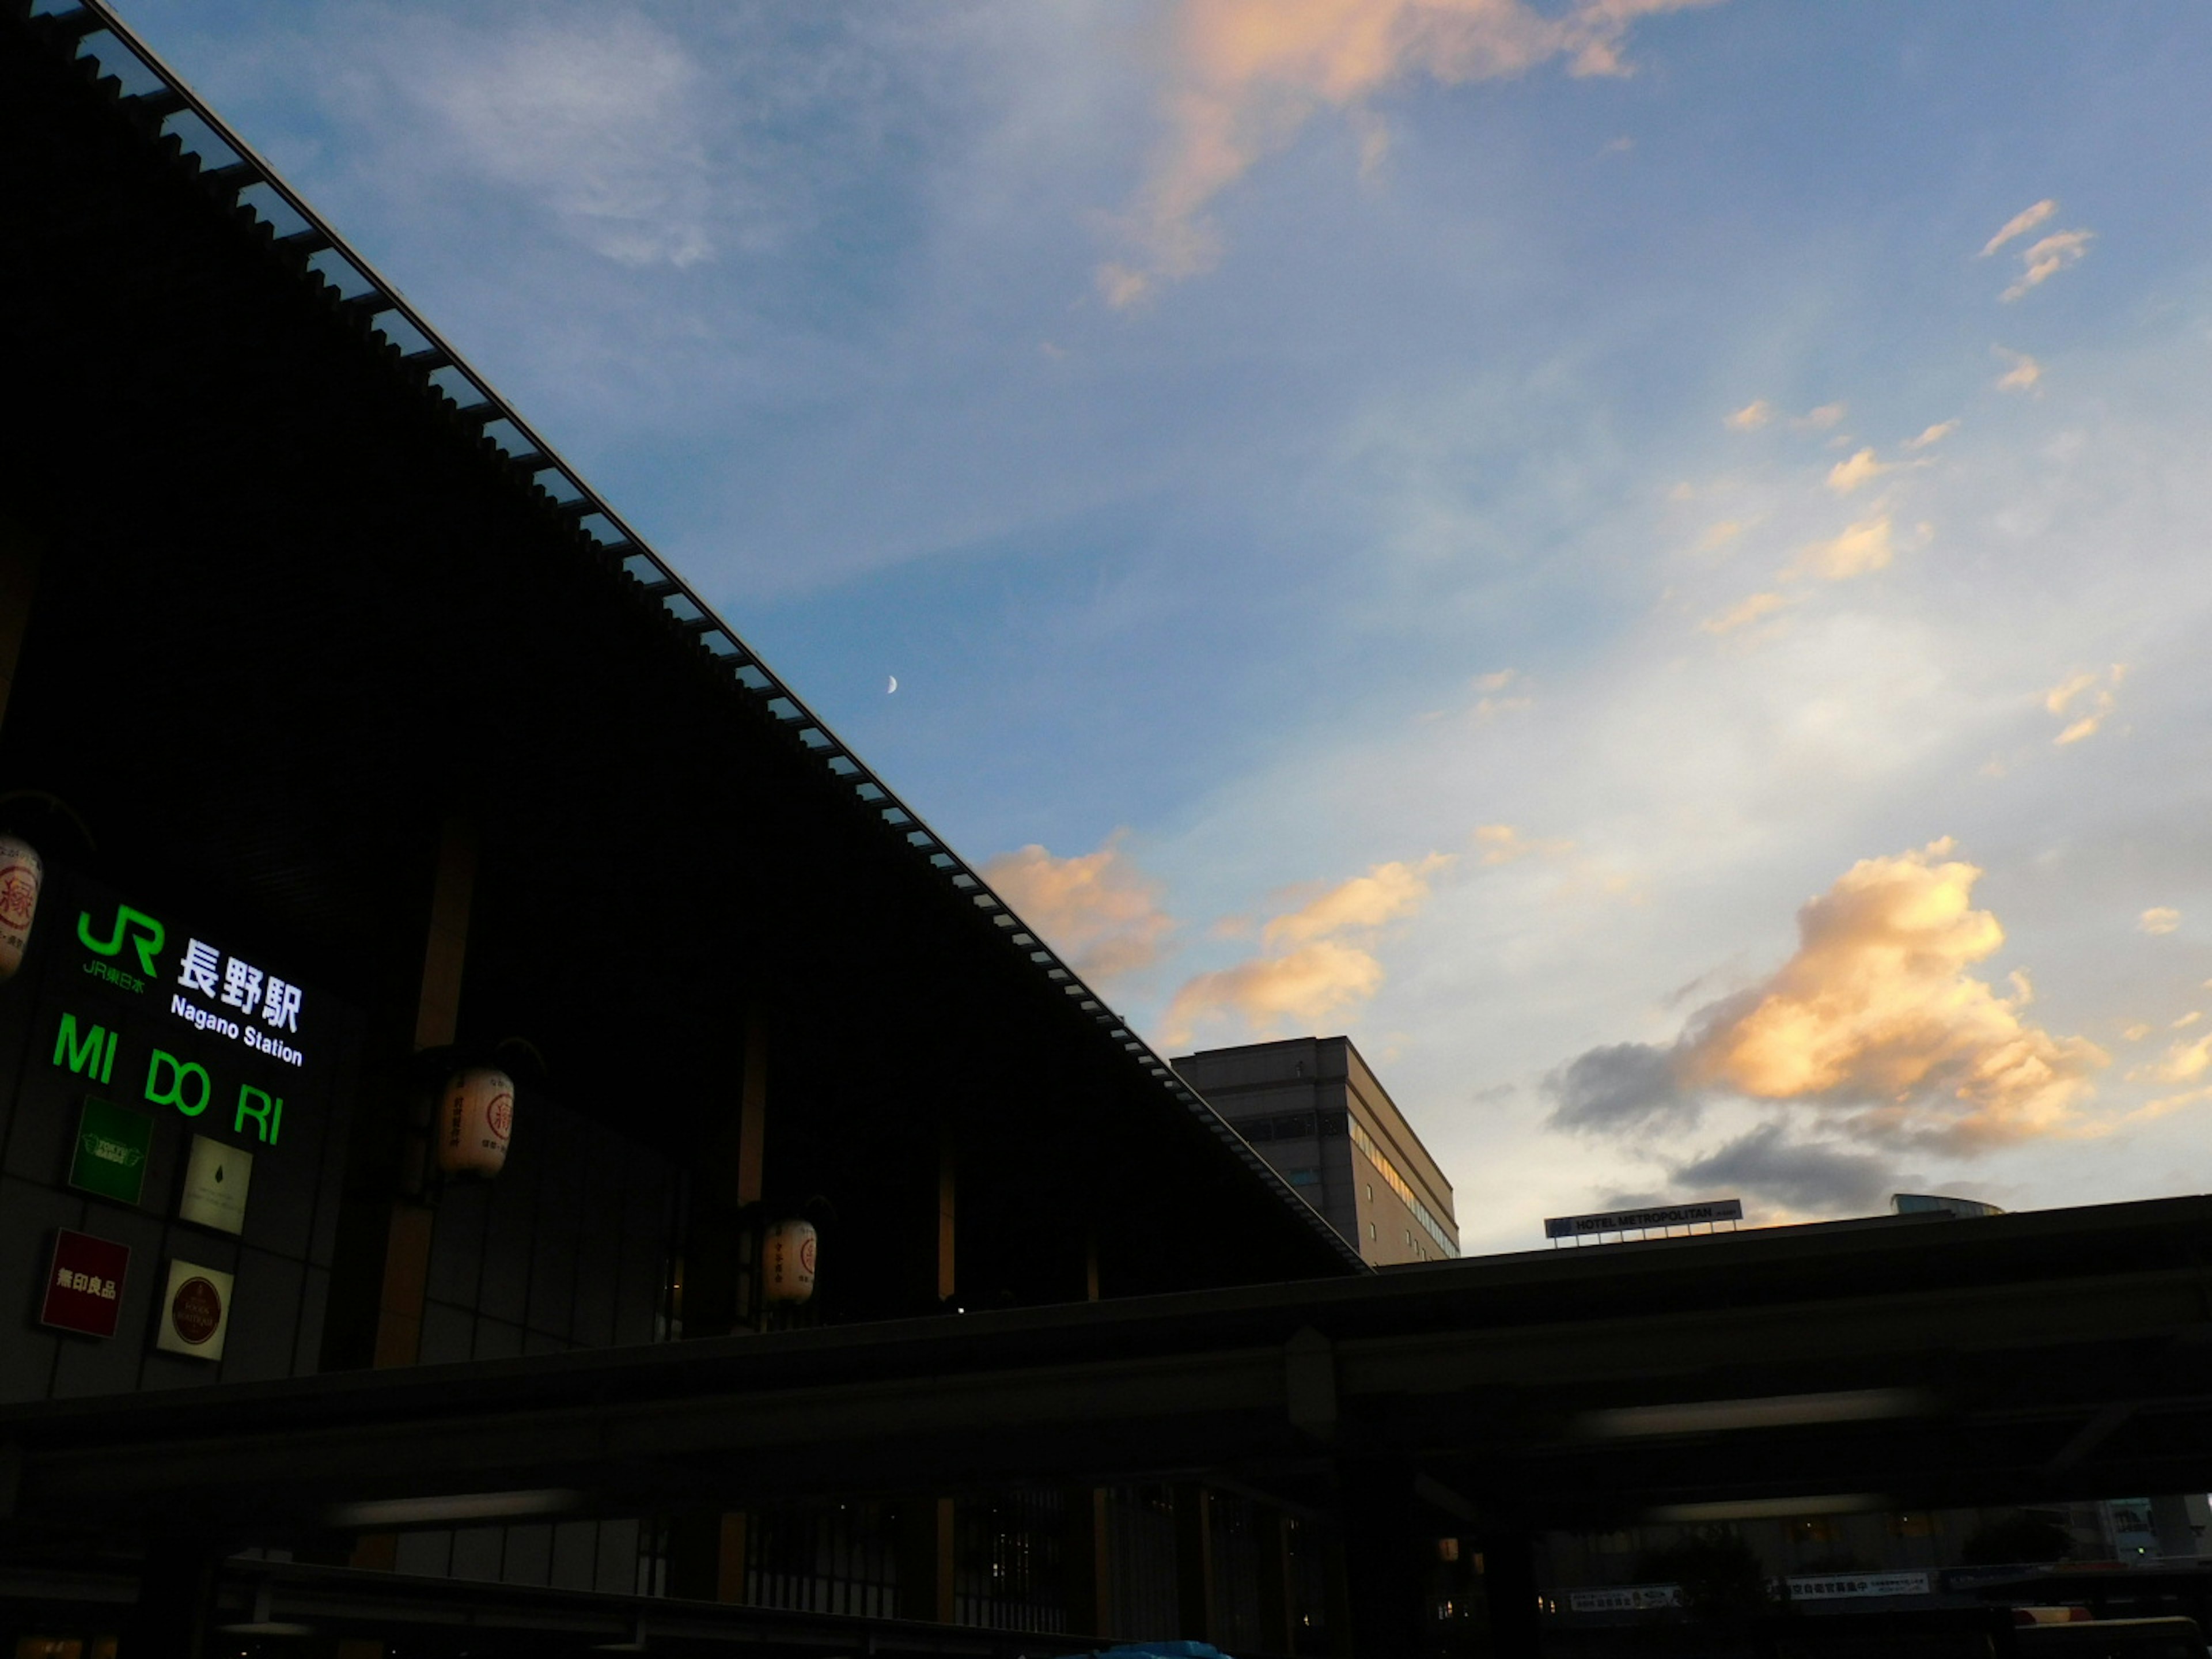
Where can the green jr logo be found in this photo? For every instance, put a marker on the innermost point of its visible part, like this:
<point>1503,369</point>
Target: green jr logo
<point>140,931</point>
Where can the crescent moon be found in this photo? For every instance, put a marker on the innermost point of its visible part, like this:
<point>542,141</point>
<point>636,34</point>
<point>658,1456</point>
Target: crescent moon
<point>892,687</point>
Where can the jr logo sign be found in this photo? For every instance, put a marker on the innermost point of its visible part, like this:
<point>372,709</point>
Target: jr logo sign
<point>133,926</point>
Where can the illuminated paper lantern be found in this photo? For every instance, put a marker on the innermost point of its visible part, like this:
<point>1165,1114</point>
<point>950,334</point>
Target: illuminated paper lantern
<point>475,1118</point>
<point>788,1263</point>
<point>20,872</point>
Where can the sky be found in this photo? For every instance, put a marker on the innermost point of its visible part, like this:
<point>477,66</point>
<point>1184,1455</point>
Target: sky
<point>1646,559</point>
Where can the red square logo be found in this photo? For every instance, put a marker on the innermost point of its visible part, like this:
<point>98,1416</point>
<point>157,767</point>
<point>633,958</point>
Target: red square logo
<point>84,1285</point>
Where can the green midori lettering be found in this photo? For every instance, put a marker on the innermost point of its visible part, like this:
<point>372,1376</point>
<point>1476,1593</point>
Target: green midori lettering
<point>267,1117</point>
<point>173,1093</point>
<point>145,934</point>
<point>92,1055</point>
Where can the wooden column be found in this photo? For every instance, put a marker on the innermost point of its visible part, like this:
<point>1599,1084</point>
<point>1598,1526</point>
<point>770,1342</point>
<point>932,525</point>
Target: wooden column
<point>405,1281</point>
<point>437,1021</point>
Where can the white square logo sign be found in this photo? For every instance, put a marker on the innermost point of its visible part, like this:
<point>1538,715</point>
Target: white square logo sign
<point>216,1179</point>
<point>195,1311</point>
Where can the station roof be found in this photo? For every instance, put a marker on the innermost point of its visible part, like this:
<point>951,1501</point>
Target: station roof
<point>310,584</point>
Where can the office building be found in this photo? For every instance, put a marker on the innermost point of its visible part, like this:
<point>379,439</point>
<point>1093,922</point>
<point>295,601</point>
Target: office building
<point>1315,1110</point>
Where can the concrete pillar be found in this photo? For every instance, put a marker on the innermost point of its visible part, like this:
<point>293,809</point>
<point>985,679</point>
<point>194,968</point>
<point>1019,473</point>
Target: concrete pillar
<point>1383,1562</point>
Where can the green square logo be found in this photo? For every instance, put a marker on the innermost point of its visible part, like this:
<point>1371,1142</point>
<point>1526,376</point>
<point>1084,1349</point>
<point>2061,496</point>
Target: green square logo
<point>112,1145</point>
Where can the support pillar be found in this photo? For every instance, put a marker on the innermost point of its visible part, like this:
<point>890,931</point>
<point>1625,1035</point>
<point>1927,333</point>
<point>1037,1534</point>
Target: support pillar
<point>1278,1620</point>
<point>405,1283</point>
<point>927,1544</point>
<point>176,1602</point>
<point>1381,1559</point>
<point>1195,1598</point>
<point>1509,1584</point>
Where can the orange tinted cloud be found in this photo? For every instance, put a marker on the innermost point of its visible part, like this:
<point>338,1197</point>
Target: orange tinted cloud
<point>1877,1010</point>
<point>2085,702</point>
<point>1383,894</point>
<point>1303,988</point>
<point>1309,971</point>
<point>1097,909</point>
<point>1877,1023</point>
<point>1246,74</point>
<point>1867,546</point>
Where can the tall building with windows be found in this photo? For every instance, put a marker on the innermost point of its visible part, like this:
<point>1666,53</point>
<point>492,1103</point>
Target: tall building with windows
<point>1315,1110</point>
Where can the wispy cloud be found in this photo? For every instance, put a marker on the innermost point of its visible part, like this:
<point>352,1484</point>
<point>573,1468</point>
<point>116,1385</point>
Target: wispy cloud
<point>598,117</point>
<point>1933,434</point>
<point>1744,613</point>
<point>1875,1021</point>
<point>2046,258</point>
<point>1245,76</point>
<point>1751,416</point>
<point>1315,963</point>
<point>2022,375</point>
<point>2159,919</point>
<point>2085,702</point>
<point>1866,546</point>
<point>1099,908</point>
<point>2019,224</point>
<point>1821,419</point>
<point>1846,476</point>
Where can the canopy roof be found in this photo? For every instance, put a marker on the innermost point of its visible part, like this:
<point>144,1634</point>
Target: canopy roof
<point>310,585</point>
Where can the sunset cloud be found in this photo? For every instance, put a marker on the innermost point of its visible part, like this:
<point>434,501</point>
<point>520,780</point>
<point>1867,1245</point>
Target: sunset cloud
<point>2046,258</point>
<point>1933,434</point>
<point>1245,76</point>
<point>1751,416</point>
<point>1745,612</point>
<point>2019,225</point>
<point>2022,375</point>
<point>2159,919</point>
<point>1844,477</point>
<point>2085,702</point>
<point>1875,1024</point>
<point>1309,970</point>
<point>1097,909</point>
<point>1821,419</point>
<point>1866,546</point>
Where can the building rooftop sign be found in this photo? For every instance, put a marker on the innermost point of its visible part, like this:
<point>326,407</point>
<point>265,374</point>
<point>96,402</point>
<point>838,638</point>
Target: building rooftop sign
<point>1662,1218</point>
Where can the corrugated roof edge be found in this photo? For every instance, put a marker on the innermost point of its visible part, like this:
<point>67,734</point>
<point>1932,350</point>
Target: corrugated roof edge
<point>77,26</point>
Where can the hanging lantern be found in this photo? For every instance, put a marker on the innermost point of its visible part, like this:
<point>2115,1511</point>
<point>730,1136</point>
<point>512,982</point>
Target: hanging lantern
<point>20,872</point>
<point>475,1118</point>
<point>788,1262</point>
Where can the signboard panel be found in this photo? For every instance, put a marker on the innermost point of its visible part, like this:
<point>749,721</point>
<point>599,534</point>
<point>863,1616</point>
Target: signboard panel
<point>109,1155</point>
<point>1846,1586</point>
<point>217,1177</point>
<point>84,1284</point>
<point>155,1014</point>
<point>1625,1598</point>
<point>1631,1221</point>
<point>195,1311</point>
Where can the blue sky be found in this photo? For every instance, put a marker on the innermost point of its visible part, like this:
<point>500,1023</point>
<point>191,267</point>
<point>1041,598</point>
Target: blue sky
<point>1532,534</point>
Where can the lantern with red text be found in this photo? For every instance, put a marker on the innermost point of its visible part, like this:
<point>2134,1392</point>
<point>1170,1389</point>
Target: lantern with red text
<point>20,872</point>
<point>788,1263</point>
<point>475,1117</point>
